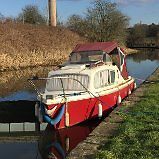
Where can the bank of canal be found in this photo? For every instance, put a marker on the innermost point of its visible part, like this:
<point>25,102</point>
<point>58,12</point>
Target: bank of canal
<point>130,131</point>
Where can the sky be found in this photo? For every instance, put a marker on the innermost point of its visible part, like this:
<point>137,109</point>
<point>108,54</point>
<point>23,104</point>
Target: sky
<point>145,11</point>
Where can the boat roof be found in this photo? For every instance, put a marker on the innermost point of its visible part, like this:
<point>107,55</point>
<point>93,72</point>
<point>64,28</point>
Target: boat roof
<point>79,69</point>
<point>97,46</point>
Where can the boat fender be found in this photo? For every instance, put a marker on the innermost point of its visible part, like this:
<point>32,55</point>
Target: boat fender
<point>67,116</point>
<point>100,110</point>
<point>55,120</point>
<point>67,119</point>
<point>129,92</point>
<point>36,109</point>
<point>67,144</point>
<point>135,86</point>
<point>40,115</point>
<point>119,99</point>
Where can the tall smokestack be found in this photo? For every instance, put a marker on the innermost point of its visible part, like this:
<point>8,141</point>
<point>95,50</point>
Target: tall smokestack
<point>52,13</point>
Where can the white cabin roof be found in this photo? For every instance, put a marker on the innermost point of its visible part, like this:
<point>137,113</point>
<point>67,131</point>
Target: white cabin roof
<point>81,69</point>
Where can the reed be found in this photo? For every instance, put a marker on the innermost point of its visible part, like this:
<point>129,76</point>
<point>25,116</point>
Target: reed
<point>30,45</point>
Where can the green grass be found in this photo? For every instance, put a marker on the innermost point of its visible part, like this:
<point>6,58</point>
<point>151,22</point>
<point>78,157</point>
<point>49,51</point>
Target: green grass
<point>138,136</point>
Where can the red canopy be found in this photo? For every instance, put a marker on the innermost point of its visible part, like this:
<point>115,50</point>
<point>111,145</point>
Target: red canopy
<point>97,46</point>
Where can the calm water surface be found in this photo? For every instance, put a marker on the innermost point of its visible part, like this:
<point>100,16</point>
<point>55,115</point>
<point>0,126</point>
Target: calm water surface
<point>142,65</point>
<point>19,139</point>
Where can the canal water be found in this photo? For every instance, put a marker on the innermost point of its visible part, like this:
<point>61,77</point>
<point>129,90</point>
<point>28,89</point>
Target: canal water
<point>20,137</point>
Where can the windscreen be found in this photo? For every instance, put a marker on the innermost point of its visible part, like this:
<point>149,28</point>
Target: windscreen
<point>86,57</point>
<point>69,84</point>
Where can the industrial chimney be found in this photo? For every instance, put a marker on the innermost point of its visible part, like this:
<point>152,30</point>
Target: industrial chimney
<point>52,12</point>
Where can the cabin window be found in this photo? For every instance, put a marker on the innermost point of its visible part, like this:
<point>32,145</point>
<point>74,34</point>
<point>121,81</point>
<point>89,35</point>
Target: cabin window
<point>101,79</point>
<point>75,57</point>
<point>112,76</point>
<point>107,58</point>
<point>115,57</point>
<point>86,57</point>
<point>69,84</point>
<point>104,78</point>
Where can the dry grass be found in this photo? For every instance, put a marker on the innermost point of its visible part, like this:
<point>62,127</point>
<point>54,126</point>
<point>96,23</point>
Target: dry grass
<point>29,45</point>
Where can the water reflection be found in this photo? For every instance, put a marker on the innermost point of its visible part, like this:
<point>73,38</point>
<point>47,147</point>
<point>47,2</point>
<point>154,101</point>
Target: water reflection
<point>18,130</point>
<point>18,124</point>
<point>147,54</point>
<point>19,150</point>
<point>13,84</point>
<point>59,143</point>
<point>142,65</point>
<point>17,112</point>
<point>46,144</point>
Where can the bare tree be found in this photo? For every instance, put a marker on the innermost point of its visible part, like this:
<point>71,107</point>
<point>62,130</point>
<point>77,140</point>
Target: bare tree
<point>103,22</point>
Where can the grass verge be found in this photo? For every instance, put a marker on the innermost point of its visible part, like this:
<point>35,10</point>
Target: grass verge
<point>138,135</point>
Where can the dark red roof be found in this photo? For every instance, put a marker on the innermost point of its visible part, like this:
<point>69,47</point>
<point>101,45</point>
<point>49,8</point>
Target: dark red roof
<point>102,46</point>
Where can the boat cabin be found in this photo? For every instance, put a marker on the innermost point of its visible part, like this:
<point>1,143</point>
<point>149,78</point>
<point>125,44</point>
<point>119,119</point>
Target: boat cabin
<point>99,52</point>
<point>91,66</point>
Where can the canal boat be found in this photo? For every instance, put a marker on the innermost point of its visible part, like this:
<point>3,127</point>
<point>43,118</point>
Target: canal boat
<point>91,82</point>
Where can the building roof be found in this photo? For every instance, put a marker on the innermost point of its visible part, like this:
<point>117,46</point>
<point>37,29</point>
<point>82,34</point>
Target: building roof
<point>97,46</point>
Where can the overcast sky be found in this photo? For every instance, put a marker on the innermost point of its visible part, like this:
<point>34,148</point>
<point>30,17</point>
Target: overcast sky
<point>146,11</point>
